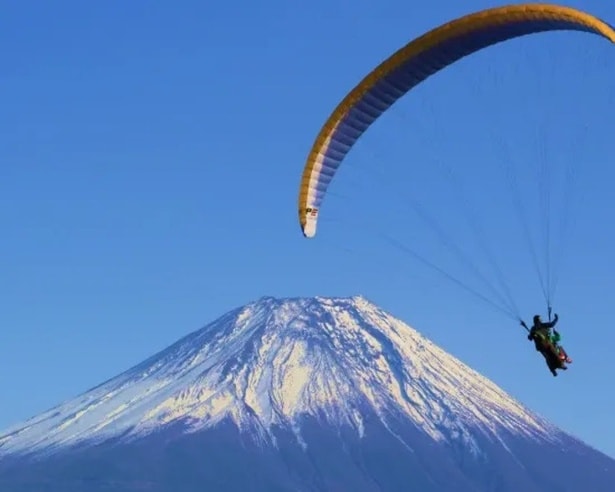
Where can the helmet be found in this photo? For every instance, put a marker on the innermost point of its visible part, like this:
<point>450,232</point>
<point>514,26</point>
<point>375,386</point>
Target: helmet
<point>537,318</point>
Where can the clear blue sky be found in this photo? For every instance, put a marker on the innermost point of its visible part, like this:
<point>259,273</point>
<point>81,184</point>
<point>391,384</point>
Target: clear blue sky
<point>150,159</point>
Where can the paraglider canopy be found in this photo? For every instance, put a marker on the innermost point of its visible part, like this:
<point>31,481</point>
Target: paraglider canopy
<point>409,66</point>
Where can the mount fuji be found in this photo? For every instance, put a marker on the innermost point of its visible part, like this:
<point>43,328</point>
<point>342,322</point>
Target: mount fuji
<point>298,394</point>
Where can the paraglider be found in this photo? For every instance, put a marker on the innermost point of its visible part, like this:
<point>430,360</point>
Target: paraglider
<point>546,340</point>
<point>408,67</point>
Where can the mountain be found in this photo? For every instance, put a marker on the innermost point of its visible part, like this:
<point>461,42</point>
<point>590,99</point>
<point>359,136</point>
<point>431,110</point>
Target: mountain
<point>300,394</point>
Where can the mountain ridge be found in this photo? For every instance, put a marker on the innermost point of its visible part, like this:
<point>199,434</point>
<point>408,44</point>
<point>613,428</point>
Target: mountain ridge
<point>284,377</point>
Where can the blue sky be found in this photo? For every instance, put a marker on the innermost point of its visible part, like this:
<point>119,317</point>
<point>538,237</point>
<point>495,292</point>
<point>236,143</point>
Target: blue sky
<point>150,161</point>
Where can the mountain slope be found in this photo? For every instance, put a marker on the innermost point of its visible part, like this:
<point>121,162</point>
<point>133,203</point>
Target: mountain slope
<point>308,394</point>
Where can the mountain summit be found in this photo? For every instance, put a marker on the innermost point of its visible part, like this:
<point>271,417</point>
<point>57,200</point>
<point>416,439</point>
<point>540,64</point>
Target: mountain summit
<point>299,394</point>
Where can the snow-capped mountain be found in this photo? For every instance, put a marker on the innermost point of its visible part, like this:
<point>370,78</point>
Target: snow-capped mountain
<point>271,362</point>
<point>282,377</point>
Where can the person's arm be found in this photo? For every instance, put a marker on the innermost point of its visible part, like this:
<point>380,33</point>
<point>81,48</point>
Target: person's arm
<point>551,324</point>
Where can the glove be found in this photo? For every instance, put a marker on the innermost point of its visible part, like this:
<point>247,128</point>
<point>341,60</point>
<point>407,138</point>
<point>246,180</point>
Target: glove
<point>529,337</point>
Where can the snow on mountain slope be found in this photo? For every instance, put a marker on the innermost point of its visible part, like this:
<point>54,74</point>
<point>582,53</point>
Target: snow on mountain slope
<point>274,360</point>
